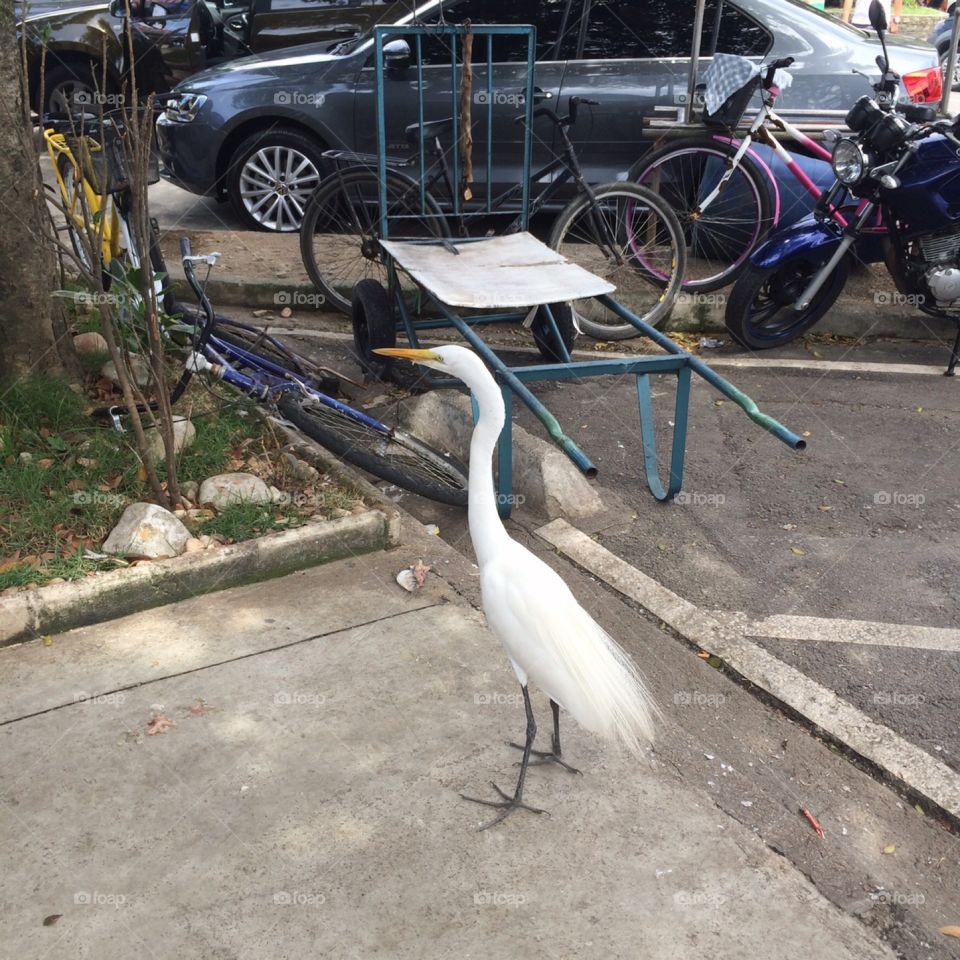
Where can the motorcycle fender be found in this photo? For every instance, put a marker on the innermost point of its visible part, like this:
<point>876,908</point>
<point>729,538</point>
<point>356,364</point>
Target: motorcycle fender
<point>804,237</point>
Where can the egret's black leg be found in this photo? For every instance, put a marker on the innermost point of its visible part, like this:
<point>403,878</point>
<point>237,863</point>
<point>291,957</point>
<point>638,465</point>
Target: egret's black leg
<point>553,755</point>
<point>508,804</point>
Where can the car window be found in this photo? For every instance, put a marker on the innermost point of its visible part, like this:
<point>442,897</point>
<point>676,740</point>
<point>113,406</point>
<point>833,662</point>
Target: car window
<point>546,15</point>
<point>628,30</point>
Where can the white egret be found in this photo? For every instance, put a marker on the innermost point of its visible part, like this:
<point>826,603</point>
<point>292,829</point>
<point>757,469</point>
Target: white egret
<point>550,639</point>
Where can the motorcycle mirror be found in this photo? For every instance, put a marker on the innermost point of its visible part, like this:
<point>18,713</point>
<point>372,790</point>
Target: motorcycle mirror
<point>878,20</point>
<point>878,16</point>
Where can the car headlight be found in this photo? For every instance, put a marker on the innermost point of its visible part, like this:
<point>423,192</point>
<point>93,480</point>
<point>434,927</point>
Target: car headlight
<point>183,108</point>
<point>849,162</point>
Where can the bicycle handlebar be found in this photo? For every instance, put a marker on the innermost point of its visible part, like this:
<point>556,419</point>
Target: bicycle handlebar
<point>783,62</point>
<point>570,119</point>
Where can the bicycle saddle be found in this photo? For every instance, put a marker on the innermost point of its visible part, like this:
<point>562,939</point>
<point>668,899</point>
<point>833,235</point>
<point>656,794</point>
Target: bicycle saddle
<point>431,129</point>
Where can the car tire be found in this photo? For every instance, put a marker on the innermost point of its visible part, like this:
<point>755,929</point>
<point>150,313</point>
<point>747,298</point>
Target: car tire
<point>956,68</point>
<point>62,83</point>
<point>268,153</point>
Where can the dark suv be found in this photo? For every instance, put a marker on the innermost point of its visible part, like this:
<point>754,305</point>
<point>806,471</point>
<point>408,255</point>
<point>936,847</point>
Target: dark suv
<point>255,129</point>
<point>172,39</point>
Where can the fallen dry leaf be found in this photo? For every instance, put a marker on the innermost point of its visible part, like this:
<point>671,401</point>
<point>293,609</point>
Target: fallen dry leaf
<point>200,708</point>
<point>420,571</point>
<point>951,931</point>
<point>798,551</point>
<point>890,848</point>
<point>52,919</point>
<point>159,723</point>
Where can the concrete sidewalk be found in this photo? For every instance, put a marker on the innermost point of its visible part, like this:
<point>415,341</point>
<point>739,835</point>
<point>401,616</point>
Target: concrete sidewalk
<point>306,801</point>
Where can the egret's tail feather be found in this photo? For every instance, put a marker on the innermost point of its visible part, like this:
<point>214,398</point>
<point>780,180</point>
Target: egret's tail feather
<point>606,693</point>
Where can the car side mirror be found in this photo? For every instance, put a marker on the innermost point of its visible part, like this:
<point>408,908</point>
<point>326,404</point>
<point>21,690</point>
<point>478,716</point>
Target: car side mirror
<point>118,8</point>
<point>397,55</point>
<point>878,16</point>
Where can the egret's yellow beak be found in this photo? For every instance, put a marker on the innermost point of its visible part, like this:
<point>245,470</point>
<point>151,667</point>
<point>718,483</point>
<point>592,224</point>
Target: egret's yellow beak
<point>405,353</point>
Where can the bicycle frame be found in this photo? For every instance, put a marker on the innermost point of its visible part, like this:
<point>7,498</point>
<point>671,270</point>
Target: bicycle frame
<point>114,237</point>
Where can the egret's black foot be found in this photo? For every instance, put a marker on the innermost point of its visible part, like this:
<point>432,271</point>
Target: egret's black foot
<point>545,756</point>
<point>506,806</point>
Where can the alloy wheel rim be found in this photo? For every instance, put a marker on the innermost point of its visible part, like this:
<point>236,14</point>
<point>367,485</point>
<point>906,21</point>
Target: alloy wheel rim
<point>275,184</point>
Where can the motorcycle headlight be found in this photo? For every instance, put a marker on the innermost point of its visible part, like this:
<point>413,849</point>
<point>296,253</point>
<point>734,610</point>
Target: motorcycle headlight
<point>183,108</point>
<point>849,162</point>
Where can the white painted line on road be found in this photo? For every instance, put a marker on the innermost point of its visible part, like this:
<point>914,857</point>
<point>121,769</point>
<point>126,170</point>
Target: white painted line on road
<point>784,363</point>
<point>827,630</point>
<point>721,360</point>
<point>820,705</point>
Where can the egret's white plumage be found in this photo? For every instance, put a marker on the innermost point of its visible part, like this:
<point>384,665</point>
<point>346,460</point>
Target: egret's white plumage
<point>551,640</point>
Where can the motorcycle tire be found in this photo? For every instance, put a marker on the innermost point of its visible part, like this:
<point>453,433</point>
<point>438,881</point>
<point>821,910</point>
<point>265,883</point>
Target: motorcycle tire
<point>760,311</point>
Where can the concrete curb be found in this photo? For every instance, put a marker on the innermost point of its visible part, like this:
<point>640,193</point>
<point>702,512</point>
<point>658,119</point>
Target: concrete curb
<point>852,316</point>
<point>543,476</point>
<point>63,606</point>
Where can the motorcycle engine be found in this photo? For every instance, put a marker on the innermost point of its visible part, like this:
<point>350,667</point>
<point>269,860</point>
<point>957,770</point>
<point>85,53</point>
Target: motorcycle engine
<point>943,275</point>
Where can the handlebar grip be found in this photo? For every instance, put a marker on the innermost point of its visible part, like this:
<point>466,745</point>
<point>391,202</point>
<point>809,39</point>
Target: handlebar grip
<point>185,248</point>
<point>784,62</point>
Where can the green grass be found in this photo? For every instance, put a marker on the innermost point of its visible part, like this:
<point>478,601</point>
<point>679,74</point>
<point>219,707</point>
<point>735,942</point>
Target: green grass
<point>80,476</point>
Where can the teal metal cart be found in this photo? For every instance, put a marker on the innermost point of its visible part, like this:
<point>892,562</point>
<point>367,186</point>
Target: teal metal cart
<point>469,282</point>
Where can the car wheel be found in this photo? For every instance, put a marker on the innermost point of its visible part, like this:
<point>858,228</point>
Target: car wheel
<point>271,178</point>
<point>956,69</point>
<point>70,87</point>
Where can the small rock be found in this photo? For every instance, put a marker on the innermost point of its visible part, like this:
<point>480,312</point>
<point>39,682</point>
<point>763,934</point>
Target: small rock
<point>56,580</point>
<point>278,496</point>
<point>138,367</point>
<point>184,434</point>
<point>260,313</point>
<point>205,539</point>
<point>300,469</point>
<point>193,545</point>
<point>286,313</point>
<point>340,512</point>
<point>90,343</point>
<point>147,530</point>
<point>358,507</point>
<point>190,489</point>
<point>26,456</point>
<point>231,488</point>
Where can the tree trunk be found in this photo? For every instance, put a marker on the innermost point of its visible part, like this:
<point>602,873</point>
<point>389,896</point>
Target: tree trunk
<point>33,332</point>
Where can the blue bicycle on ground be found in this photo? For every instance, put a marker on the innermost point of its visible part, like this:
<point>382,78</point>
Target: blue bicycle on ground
<point>270,373</point>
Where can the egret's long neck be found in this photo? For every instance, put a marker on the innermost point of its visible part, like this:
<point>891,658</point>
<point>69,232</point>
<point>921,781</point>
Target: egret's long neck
<point>486,529</point>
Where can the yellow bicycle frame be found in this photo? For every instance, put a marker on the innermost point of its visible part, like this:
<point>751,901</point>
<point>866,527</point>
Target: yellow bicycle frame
<point>78,207</point>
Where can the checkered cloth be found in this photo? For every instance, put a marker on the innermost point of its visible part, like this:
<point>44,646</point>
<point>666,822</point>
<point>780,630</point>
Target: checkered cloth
<point>727,73</point>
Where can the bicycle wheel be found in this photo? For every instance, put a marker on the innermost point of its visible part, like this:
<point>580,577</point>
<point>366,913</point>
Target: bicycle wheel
<point>387,453</point>
<point>72,208</point>
<point>632,238</point>
<point>721,235</point>
<point>339,239</point>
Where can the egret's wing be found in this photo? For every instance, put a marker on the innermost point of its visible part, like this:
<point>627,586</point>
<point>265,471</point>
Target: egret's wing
<point>563,650</point>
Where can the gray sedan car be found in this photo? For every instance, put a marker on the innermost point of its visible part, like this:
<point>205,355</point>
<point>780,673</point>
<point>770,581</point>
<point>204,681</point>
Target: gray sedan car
<point>254,130</point>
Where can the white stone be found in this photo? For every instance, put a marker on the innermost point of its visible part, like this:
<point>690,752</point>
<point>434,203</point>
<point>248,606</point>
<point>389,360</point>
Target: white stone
<point>193,545</point>
<point>147,530</point>
<point>226,489</point>
<point>90,343</point>
<point>138,367</point>
<point>184,434</point>
<point>190,489</point>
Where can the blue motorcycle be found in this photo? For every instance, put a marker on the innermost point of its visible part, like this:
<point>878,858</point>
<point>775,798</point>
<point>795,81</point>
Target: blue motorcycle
<point>896,200</point>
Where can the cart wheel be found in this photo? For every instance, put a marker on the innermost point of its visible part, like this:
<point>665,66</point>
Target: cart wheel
<point>543,335</point>
<point>374,327</point>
